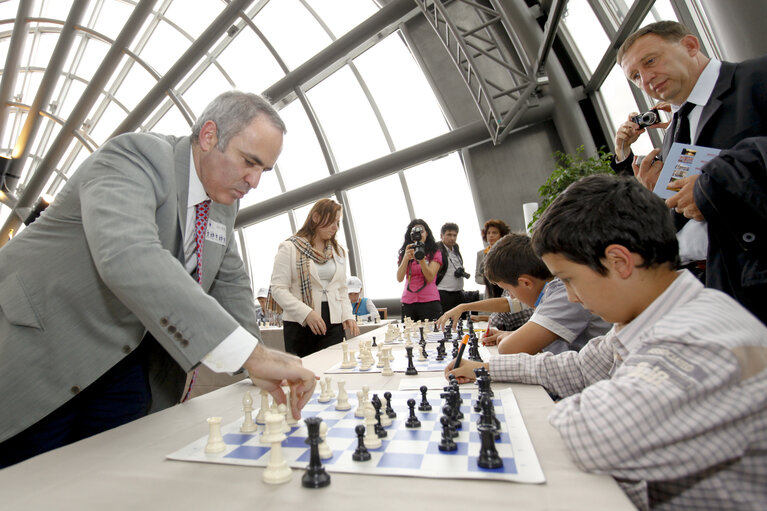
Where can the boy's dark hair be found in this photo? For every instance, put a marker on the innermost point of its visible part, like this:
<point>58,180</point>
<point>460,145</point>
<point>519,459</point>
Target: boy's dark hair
<point>602,210</point>
<point>449,226</point>
<point>511,257</point>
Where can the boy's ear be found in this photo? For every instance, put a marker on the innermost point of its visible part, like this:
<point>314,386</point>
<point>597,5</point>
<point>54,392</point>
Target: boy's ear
<point>525,281</point>
<point>620,259</point>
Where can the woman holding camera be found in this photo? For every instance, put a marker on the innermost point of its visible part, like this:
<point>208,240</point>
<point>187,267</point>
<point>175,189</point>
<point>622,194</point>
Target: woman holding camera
<point>419,262</point>
<point>309,283</point>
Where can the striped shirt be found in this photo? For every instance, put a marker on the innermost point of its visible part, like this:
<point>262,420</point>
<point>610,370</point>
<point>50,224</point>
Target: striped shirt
<point>673,405</point>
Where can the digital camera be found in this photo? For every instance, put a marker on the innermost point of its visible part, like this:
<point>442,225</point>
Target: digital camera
<point>647,118</point>
<point>416,236</point>
<point>460,272</point>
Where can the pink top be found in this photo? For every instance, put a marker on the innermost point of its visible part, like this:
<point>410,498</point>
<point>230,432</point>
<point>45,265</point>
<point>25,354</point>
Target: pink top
<point>414,280</point>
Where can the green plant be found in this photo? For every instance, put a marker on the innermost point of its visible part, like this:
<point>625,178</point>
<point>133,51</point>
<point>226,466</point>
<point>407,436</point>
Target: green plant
<point>570,168</point>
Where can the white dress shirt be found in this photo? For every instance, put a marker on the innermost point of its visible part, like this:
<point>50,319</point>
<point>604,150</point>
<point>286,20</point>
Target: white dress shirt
<point>235,349</point>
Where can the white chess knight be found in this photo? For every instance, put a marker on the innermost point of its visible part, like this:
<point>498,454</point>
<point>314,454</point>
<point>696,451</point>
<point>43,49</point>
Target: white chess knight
<point>343,397</point>
<point>215,440</point>
<point>277,471</point>
<point>325,451</point>
<point>248,426</point>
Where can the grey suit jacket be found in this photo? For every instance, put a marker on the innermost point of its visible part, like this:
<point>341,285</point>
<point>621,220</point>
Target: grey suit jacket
<point>81,285</point>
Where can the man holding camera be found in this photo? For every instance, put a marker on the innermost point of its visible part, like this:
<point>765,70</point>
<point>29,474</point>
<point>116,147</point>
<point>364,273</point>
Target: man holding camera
<point>452,273</point>
<point>715,104</point>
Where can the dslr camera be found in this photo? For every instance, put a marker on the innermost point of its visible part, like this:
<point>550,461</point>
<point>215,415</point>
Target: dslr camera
<point>647,118</point>
<point>416,236</point>
<point>460,272</point>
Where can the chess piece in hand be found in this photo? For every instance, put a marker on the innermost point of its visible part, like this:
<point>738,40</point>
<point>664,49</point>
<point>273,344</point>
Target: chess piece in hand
<point>270,369</point>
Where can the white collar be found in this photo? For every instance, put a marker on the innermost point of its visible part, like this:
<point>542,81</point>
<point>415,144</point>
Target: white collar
<point>196,190</point>
<point>701,93</point>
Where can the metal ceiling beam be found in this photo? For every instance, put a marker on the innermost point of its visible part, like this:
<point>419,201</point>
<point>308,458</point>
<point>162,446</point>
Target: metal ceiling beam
<point>631,22</point>
<point>11,69</point>
<point>44,93</point>
<point>338,50</point>
<point>463,137</point>
<point>89,96</point>
<point>183,65</point>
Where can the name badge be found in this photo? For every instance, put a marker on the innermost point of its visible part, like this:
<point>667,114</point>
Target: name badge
<point>216,232</point>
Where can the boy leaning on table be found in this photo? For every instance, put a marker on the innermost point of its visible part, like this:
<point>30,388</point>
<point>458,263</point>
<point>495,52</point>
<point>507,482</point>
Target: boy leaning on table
<point>672,402</point>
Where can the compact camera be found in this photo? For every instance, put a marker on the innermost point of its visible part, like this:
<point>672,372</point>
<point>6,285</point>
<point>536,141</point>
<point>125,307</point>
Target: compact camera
<point>460,272</point>
<point>416,236</point>
<point>647,118</point>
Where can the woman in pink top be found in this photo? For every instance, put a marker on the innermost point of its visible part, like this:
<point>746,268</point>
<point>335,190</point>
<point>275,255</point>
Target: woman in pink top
<point>419,260</point>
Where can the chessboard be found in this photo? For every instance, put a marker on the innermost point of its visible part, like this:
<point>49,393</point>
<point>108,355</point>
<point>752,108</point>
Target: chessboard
<point>399,364</point>
<point>404,451</point>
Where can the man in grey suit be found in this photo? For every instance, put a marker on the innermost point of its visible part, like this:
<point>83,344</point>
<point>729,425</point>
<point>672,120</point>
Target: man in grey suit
<point>123,285</point>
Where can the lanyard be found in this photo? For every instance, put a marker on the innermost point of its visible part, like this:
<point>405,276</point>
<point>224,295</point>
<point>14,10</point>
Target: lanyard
<point>540,295</point>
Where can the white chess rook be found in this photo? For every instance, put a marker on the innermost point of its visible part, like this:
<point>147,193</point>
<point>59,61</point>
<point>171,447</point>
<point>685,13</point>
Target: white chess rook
<point>343,397</point>
<point>277,471</point>
<point>215,440</point>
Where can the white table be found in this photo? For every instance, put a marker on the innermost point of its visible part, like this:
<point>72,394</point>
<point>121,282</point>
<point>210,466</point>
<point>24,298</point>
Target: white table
<point>126,469</point>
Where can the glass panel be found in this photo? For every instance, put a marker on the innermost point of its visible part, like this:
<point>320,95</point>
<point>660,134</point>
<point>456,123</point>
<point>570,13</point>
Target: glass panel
<point>348,120</point>
<point>8,9</point>
<point>301,161</point>
<point>401,92</point>
<point>380,219</point>
<point>134,87</point>
<point>262,69</point>
<point>112,116</point>
<point>445,180</point>
<point>4,43</point>
<point>172,123</point>
<point>209,85</point>
<point>343,15</point>
<point>187,14</point>
<point>164,46</point>
<point>92,57</point>
<point>282,22</point>
<point>262,240</point>
<point>41,52</point>
<point>76,89</point>
<point>112,17</point>
<point>55,9</point>
<point>586,31</point>
<point>616,93</point>
<point>27,85</point>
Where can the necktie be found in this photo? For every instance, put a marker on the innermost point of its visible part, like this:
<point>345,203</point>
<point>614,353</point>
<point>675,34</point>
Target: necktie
<point>200,224</point>
<point>682,123</point>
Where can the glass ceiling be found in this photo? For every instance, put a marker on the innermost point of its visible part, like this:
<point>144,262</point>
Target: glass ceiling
<point>361,110</point>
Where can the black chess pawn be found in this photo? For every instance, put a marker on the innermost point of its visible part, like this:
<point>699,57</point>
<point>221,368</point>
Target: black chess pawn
<point>361,453</point>
<point>379,429</point>
<point>424,406</point>
<point>411,370</point>
<point>389,410</point>
<point>412,421</point>
<point>315,475</point>
<point>488,454</point>
<point>374,342</point>
<point>447,443</point>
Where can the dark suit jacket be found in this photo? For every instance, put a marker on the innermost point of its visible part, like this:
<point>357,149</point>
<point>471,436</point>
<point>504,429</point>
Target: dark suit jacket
<point>736,110</point>
<point>103,265</point>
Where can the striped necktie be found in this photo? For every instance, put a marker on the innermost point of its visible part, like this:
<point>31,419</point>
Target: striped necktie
<point>200,224</point>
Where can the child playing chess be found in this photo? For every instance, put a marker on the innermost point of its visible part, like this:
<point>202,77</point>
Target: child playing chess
<point>557,325</point>
<point>672,401</point>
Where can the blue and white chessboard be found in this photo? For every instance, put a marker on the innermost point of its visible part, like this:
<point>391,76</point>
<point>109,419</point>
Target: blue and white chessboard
<point>405,451</point>
<point>399,364</point>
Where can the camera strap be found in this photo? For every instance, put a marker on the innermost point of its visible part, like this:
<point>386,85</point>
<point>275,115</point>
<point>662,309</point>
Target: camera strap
<point>409,276</point>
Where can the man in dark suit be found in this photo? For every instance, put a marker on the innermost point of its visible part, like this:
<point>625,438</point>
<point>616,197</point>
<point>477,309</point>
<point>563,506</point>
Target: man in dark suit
<point>131,278</point>
<point>723,103</point>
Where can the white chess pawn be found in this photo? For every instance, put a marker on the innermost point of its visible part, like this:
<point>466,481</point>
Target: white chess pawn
<point>329,387</point>
<point>261,415</point>
<point>360,411</point>
<point>385,419</point>
<point>343,397</point>
<point>283,411</point>
<point>215,440</point>
<point>381,356</point>
<point>289,419</point>
<point>277,471</point>
<point>248,426</point>
<point>372,441</point>
<point>421,358</point>
<point>325,451</point>
<point>387,370</point>
<point>323,397</point>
